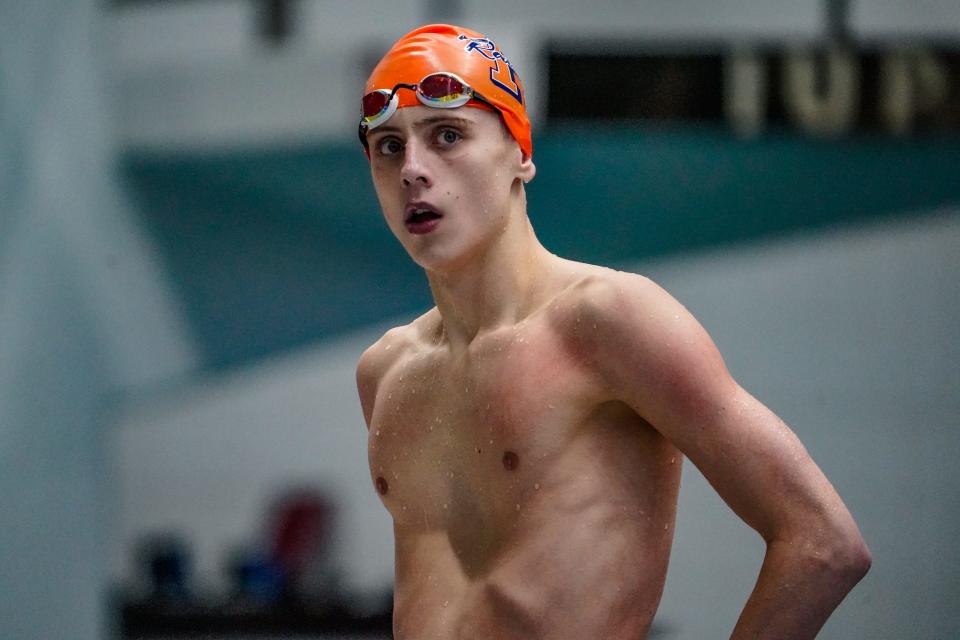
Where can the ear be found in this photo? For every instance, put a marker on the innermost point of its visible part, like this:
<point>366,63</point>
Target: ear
<point>527,169</point>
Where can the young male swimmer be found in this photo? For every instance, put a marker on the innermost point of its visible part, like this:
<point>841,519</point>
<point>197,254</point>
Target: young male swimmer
<point>526,433</point>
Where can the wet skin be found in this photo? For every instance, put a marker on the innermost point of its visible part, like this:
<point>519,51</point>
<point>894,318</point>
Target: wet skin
<point>525,503</point>
<point>526,433</point>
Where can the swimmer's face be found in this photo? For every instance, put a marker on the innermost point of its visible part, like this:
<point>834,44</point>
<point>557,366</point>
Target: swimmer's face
<point>460,163</point>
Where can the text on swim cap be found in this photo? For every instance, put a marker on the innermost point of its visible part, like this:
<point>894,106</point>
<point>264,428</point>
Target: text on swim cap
<point>504,76</point>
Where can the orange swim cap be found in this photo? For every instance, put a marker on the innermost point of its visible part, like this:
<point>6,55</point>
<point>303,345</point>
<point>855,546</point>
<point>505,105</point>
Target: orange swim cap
<point>466,53</point>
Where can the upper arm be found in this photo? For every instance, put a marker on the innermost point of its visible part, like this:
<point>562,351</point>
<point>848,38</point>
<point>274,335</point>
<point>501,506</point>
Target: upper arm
<point>656,357</point>
<point>371,367</point>
<point>367,378</point>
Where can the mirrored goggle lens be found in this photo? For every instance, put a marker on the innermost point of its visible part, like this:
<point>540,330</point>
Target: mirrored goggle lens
<point>375,103</point>
<point>442,88</point>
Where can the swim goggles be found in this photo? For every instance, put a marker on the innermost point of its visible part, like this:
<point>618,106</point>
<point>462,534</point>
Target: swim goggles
<point>440,90</point>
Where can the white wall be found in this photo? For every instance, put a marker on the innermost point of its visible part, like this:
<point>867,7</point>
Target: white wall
<point>206,459</point>
<point>83,313</point>
<point>853,339</point>
<point>851,336</point>
<point>899,19</point>
<point>196,74</point>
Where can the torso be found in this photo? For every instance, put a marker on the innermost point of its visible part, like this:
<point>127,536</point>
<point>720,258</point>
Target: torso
<point>527,502</point>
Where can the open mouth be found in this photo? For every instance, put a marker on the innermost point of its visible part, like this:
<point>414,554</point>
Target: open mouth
<point>422,215</point>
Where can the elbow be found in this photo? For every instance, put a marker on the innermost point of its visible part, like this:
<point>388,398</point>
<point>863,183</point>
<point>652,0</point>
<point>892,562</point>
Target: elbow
<point>858,559</point>
<point>846,557</point>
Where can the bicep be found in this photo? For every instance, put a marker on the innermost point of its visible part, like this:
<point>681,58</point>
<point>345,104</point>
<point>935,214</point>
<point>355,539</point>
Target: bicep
<point>660,361</point>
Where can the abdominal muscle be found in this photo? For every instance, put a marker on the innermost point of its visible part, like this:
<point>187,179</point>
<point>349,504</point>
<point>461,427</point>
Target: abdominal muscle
<point>578,561</point>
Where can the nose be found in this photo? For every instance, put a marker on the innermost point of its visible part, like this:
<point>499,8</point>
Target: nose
<point>415,169</point>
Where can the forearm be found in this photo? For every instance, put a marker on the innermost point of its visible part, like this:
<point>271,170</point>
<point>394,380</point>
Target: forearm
<point>798,588</point>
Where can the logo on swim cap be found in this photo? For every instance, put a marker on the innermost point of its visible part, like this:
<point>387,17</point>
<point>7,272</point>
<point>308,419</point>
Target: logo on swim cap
<point>506,79</point>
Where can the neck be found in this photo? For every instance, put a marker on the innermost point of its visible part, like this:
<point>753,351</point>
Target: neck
<point>500,287</point>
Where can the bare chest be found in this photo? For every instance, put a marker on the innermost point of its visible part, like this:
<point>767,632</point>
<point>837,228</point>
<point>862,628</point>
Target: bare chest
<point>466,440</point>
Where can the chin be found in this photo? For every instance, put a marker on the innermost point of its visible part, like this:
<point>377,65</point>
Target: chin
<point>439,261</point>
<point>450,254</point>
<point>437,264</point>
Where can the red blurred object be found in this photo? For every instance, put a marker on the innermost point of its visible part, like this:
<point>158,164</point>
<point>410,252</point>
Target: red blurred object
<point>301,531</point>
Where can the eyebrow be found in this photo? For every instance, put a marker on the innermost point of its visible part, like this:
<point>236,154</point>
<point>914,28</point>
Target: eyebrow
<point>425,122</point>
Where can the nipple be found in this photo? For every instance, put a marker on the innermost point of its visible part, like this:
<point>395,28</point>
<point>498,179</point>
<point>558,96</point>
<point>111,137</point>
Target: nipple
<point>382,486</point>
<point>510,460</point>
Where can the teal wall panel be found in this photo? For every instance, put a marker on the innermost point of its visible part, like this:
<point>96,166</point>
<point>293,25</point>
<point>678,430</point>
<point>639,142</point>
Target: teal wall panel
<point>272,249</point>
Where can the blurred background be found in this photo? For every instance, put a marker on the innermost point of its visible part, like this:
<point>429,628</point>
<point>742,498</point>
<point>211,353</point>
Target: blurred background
<point>192,259</point>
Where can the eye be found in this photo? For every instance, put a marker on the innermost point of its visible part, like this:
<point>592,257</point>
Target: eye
<point>388,146</point>
<point>448,137</point>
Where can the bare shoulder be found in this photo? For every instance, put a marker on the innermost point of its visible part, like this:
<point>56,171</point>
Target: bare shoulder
<point>389,350</point>
<point>604,299</point>
<point>640,339</point>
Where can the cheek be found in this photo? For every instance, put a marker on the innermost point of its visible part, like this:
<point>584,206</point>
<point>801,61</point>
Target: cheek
<point>490,179</point>
<point>386,190</point>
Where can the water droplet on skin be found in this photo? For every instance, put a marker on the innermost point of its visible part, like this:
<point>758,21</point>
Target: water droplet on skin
<point>673,460</point>
<point>444,505</point>
<point>665,527</point>
<point>594,325</point>
<point>491,442</point>
<point>551,406</point>
<point>518,506</point>
<point>387,348</point>
<point>378,431</point>
<point>389,396</point>
<point>536,485</point>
